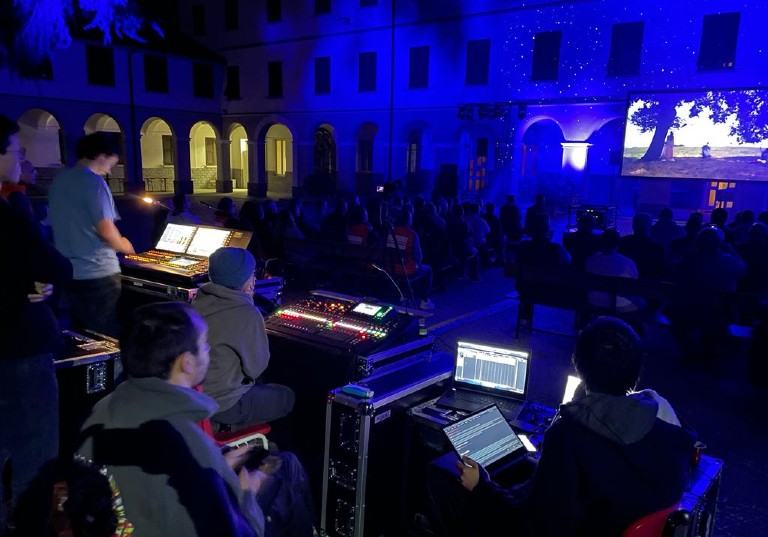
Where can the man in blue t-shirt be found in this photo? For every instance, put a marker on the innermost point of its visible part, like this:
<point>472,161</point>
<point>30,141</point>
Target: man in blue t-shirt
<point>82,214</point>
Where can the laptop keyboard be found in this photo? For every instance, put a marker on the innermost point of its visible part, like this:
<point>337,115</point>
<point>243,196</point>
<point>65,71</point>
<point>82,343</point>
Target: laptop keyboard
<point>472,402</point>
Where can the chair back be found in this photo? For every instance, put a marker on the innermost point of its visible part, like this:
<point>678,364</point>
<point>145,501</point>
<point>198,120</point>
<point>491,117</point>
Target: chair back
<point>651,525</point>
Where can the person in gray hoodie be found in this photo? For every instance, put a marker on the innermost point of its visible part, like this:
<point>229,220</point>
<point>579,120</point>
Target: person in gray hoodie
<point>239,345</point>
<point>172,477</point>
<point>611,456</point>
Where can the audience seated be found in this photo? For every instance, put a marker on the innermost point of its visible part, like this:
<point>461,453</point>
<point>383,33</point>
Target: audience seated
<point>666,230</point>
<point>538,207</point>
<point>740,227</point>
<point>698,316</point>
<point>583,242</point>
<point>407,248</point>
<point>462,243</point>
<point>719,218</point>
<point>647,254</point>
<point>510,220</point>
<point>540,251</point>
<point>755,254</point>
<point>360,230</point>
<point>686,244</point>
<point>608,262</point>
<point>478,227</point>
<point>181,213</point>
<point>612,456</point>
<point>334,226</point>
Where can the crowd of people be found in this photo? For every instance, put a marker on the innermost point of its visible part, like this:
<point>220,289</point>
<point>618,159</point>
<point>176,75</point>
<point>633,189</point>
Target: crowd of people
<point>185,363</point>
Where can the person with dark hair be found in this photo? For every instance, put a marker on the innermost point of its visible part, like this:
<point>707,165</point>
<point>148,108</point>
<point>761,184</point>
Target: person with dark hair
<point>408,264</point>
<point>510,220</point>
<point>532,212</point>
<point>609,262</point>
<point>719,219</point>
<point>540,251</point>
<point>360,230</point>
<point>666,230</point>
<point>462,244</point>
<point>181,213</point>
<point>647,254</point>
<point>29,339</point>
<point>699,314</point>
<point>584,241</point>
<point>686,244</point>
<point>83,214</point>
<point>239,357</point>
<point>610,457</point>
<point>173,479</point>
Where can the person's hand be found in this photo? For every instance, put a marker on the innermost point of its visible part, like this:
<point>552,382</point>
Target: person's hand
<point>42,291</point>
<point>469,473</point>
<point>271,464</point>
<point>251,481</point>
<point>236,457</point>
<point>127,246</point>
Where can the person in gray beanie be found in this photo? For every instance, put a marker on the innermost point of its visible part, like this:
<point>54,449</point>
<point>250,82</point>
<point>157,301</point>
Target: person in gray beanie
<point>239,346</point>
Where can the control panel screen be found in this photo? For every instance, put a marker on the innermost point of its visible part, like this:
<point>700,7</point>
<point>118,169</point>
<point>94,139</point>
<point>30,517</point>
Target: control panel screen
<point>207,241</point>
<point>176,238</point>
<point>367,309</point>
<point>183,261</point>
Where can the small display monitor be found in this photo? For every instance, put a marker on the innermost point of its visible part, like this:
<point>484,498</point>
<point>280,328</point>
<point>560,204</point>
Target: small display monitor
<point>176,238</point>
<point>183,261</point>
<point>207,240</point>
<point>367,309</point>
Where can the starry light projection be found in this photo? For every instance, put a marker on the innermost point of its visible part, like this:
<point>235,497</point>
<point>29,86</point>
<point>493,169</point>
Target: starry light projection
<point>670,48</point>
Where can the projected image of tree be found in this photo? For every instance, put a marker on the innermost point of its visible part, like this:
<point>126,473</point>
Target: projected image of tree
<point>707,135</point>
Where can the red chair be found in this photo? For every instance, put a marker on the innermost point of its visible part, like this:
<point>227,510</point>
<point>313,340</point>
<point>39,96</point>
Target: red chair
<point>238,438</point>
<point>662,523</point>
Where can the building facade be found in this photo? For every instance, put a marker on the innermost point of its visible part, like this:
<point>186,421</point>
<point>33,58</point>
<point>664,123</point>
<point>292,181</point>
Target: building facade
<point>471,99</point>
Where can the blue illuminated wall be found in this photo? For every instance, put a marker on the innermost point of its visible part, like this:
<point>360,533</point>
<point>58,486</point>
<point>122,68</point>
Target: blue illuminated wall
<point>504,134</point>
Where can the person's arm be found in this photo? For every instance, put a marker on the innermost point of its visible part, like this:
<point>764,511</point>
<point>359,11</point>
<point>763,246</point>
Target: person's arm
<point>554,506</point>
<point>255,346</point>
<point>417,255</point>
<point>107,230</point>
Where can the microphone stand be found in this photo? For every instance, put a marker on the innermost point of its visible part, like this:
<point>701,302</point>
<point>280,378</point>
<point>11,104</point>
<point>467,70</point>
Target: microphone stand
<point>401,257</point>
<point>403,300</point>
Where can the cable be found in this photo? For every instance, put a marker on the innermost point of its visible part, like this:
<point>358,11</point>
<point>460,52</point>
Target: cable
<point>403,300</point>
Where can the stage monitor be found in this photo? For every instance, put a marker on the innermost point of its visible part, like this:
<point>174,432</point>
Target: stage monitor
<point>697,134</point>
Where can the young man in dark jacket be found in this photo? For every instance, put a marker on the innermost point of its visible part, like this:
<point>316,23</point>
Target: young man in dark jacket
<point>611,457</point>
<point>29,337</point>
<point>172,477</point>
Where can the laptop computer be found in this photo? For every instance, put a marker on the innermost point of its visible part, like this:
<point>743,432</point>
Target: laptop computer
<point>485,374</point>
<point>486,438</point>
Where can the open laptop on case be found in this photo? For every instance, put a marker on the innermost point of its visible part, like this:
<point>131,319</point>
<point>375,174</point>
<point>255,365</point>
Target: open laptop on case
<point>486,374</point>
<point>486,438</point>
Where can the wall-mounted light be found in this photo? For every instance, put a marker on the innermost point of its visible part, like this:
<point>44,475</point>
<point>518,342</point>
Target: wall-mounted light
<point>575,156</point>
<point>522,111</point>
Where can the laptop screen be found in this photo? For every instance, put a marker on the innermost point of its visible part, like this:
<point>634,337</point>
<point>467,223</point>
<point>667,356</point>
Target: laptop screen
<point>492,368</point>
<point>176,238</point>
<point>485,437</point>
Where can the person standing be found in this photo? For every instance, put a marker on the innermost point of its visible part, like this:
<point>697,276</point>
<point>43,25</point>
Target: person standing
<point>83,214</point>
<point>668,151</point>
<point>29,336</point>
